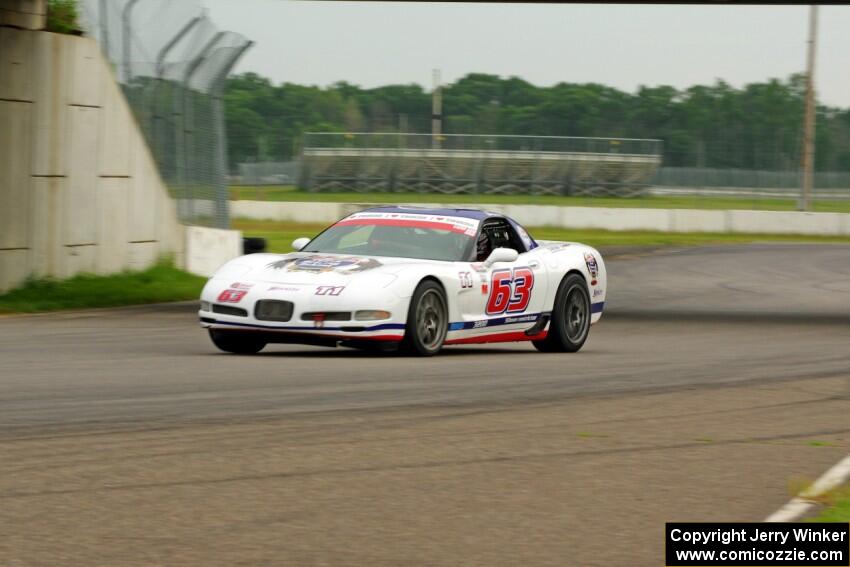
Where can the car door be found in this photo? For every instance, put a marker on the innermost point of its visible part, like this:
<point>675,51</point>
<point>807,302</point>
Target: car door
<point>509,295</point>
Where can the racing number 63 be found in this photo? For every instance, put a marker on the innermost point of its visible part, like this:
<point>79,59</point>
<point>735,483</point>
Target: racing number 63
<point>510,290</point>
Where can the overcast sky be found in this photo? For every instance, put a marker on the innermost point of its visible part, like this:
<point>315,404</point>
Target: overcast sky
<point>379,43</point>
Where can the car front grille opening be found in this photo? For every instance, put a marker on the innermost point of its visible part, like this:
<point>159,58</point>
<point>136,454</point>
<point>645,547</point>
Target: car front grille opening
<point>273,310</point>
<point>228,310</point>
<point>326,316</point>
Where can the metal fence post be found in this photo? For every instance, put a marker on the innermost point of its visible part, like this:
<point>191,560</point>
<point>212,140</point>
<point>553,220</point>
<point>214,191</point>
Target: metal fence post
<point>222,198</point>
<point>103,15</point>
<point>187,119</point>
<point>126,15</point>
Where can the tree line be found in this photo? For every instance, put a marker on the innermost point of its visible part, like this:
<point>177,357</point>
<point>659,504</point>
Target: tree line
<point>758,126</point>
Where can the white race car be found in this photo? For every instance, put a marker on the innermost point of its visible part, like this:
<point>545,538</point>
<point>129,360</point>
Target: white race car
<point>413,278</point>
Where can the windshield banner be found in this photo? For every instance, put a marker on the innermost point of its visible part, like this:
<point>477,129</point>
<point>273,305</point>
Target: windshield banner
<point>460,225</point>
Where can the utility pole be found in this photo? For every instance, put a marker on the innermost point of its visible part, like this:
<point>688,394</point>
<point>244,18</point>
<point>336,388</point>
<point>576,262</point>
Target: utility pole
<point>436,111</point>
<point>809,123</point>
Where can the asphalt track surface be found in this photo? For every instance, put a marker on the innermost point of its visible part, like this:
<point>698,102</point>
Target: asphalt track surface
<point>716,380</point>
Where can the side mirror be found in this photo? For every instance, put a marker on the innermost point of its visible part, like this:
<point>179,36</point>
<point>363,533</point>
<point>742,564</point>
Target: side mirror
<point>300,243</point>
<point>501,255</point>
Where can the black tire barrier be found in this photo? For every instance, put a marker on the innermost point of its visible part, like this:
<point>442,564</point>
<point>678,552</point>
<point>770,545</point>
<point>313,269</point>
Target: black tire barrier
<point>253,245</point>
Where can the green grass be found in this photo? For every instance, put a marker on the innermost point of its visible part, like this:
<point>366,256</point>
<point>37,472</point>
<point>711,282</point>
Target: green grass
<point>159,283</point>
<point>838,509</point>
<point>281,234</point>
<point>291,193</point>
<point>63,16</point>
<point>278,235</point>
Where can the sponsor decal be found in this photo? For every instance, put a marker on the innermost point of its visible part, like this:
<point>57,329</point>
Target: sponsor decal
<point>592,266</point>
<point>495,322</point>
<point>511,291</point>
<point>320,264</point>
<point>235,292</point>
<point>598,292</point>
<point>283,288</point>
<point>520,319</point>
<point>329,289</point>
<point>231,295</point>
<point>465,280</point>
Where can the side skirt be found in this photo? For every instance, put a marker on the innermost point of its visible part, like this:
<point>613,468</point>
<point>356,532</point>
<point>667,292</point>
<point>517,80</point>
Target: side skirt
<point>507,337</point>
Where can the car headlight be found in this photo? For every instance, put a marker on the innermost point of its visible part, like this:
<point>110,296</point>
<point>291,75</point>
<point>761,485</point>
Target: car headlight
<point>371,315</point>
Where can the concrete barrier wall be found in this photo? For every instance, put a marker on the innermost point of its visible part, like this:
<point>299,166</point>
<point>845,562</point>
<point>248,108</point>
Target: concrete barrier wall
<point>207,249</point>
<point>664,220</point>
<point>26,14</point>
<point>79,190</point>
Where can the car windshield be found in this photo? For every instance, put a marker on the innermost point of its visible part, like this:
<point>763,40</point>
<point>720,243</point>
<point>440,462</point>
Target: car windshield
<point>426,237</point>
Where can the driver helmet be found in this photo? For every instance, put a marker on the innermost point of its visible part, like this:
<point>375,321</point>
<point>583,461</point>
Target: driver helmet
<point>483,247</point>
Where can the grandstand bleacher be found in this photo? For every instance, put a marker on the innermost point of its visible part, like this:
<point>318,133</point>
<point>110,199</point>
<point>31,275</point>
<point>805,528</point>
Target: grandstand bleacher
<point>422,163</point>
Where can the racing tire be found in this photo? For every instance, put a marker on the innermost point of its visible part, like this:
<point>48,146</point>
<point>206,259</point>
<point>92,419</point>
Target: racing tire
<point>570,323</point>
<point>237,343</point>
<point>427,320</point>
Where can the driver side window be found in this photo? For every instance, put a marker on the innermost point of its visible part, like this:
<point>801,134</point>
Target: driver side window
<point>497,233</point>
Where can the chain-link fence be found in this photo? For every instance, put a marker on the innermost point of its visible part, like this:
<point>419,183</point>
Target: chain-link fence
<point>748,182</point>
<point>172,61</point>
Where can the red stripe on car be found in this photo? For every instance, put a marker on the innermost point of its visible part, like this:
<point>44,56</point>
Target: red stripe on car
<point>497,338</point>
<point>406,222</point>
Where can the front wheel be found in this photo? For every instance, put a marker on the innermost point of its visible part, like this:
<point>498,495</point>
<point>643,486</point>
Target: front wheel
<point>236,342</point>
<point>427,320</point>
<point>570,322</point>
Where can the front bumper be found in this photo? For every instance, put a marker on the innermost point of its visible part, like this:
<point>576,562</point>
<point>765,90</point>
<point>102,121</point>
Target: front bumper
<point>305,300</point>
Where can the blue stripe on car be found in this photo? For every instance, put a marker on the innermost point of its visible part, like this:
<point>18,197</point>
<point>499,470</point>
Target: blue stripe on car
<point>509,320</point>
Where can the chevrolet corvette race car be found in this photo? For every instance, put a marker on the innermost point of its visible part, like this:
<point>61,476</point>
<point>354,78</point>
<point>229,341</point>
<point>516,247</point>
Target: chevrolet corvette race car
<point>412,278</point>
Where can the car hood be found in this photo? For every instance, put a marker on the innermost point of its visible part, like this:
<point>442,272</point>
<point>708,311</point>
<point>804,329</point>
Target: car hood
<point>305,268</point>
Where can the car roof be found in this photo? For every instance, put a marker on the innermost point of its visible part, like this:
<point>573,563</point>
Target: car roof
<point>477,214</point>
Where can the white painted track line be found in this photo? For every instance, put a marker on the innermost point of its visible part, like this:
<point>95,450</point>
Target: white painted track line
<point>798,506</point>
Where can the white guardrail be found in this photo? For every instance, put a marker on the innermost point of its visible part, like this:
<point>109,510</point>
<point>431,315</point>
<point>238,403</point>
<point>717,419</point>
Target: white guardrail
<point>664,220</point>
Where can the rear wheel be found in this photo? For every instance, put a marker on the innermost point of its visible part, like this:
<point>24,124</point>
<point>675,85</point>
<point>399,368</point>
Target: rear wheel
<point>570,322</point>
<point>427,320</point>
<point>236,342</point>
